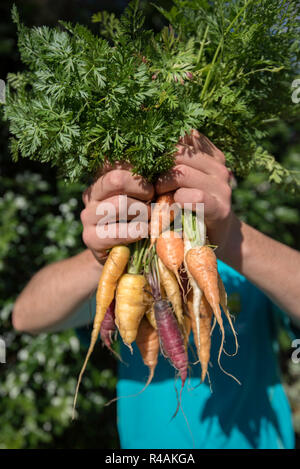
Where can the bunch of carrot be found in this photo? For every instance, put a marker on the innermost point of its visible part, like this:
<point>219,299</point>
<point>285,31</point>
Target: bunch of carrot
<point>157,291</point>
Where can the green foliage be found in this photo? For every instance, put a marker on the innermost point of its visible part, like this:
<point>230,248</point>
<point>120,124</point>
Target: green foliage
<point>40,224</point>
<point>224,68</point>
<point>260,204</point>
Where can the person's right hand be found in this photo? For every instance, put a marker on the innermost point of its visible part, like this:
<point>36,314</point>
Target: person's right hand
<point>105,204</point>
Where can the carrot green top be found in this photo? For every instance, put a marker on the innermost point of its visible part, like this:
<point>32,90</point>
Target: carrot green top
<point>128,93</point>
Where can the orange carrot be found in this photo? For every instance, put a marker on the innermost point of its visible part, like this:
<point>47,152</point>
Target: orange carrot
<point>163,213</point>
<point>112,271</point>
<point>223,302</point>
<point>148,343</point>
<point>202,265</point>
<point>196,335</point>
<point>170,250</point>
<point>206,315</point>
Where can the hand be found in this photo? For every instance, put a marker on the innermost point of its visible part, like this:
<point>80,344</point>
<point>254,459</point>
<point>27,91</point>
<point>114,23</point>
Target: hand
<point>200,176</point>
<point>106,204</point>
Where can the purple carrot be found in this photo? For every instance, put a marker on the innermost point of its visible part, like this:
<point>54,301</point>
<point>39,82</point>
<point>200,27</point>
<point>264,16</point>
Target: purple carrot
<point>171,340</point>
<point>108,327</point>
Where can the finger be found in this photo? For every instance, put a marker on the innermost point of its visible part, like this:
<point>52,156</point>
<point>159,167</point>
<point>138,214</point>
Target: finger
<point>114,209</point>
<point>203,162</point>
<point>185,176</point>
<point>203,144</point>
<point>100,238</point>
<point>118,182</point>
<point>107,166</point>
<point>197,196</point>
<point>198,142</point>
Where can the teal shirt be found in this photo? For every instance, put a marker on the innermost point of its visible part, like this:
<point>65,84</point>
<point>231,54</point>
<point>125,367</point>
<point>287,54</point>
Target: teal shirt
<point>218,413</point>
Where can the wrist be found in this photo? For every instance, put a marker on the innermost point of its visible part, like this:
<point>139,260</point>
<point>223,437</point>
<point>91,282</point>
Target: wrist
<point>230,251</point>
<point>95,260</point>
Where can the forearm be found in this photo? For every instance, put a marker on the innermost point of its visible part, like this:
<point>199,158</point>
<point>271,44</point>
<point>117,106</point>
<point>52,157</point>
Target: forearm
<point>272,266</point>
<point>55,292</point>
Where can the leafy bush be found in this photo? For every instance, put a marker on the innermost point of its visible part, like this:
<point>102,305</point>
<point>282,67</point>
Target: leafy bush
<point>40,224</point>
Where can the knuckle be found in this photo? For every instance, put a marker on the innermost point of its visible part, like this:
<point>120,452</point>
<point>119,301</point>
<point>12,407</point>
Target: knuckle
<point>224,173</point>
<point>227,191</point>
<point>181,170</point>
<point>86,237</point>
<point>83,216</point>
<point>180,193</point>
<point>221,157</point>
<point>225,211</point>
<point>199,195</point>
<point>85,197</point>
<point>115,180</point>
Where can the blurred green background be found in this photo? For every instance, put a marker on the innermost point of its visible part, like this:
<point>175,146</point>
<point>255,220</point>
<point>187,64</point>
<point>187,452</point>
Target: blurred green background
<point>40,223</point>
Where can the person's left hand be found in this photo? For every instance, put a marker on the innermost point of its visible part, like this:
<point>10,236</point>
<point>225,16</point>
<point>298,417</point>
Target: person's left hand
<point>200,176</point>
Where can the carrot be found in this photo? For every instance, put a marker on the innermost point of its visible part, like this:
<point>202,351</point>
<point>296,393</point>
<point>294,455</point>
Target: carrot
<point>108,326</point>
<point>171,340</point>
<point>186,329</point>
<point>132,301</point>
<point>194,296</point>
<point>206,315</point>
<point>148,344</point>
<point>202,264</point>
<point>223,301</point>
<point>170,285</point>
<point>203,342</point>
<point>163,213</point>
<point>112,271</point>
<point>170,250</point>
<point>150,315</point>
<point>108,329</point>
<point>190,306</point>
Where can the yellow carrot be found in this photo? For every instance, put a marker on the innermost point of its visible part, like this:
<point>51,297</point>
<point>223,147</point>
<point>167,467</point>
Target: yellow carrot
<point>172,290</point>
<point>186,329</point>
<point>132,301</point>
<point>112,271</point>
<point>150,315</point>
